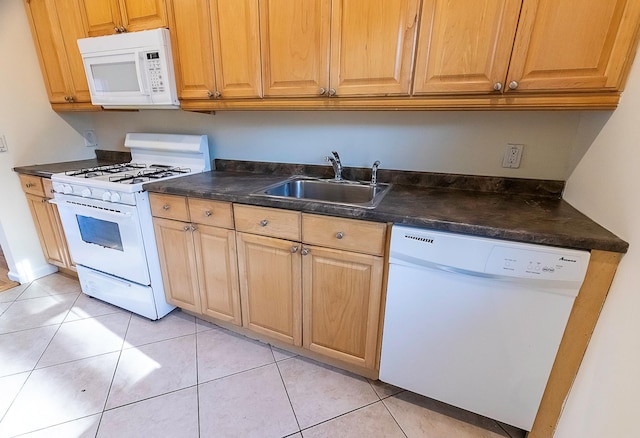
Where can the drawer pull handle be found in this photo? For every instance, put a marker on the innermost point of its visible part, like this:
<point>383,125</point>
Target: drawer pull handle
<point>264,223</point>
<point>165,207</point>
<point>208,213</point>
<point>339,235</point>
<point>305,251</point>
<point>294,249</point>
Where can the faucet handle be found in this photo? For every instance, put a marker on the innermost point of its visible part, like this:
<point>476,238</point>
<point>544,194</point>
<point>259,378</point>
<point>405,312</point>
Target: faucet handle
<point>374,172</point>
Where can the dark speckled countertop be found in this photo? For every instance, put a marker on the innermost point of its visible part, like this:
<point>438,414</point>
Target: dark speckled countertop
<point>512,209</point>
<point>103,157</point>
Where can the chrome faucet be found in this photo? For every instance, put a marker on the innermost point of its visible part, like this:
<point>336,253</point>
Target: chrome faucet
<point>374,172</point>
<point>337,165</point>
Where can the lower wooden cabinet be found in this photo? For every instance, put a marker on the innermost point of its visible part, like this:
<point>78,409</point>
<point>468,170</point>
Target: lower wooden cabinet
<point>197,260</point>
<point>270,287</point>
<point>47,221</point>
<point>341,295</point>
<point>309,281</point>
<point>324,289</point>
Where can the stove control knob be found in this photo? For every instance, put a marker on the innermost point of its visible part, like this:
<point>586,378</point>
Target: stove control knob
<point>115,197</point>
<point>86,192</point>
<point>67,189</point>
<point>106,196</point>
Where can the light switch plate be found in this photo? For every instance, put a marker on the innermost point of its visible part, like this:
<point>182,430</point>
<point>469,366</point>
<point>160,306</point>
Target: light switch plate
<point>3,144</point>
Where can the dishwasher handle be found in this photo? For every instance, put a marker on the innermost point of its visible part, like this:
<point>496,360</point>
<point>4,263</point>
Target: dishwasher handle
<point>563,287</point>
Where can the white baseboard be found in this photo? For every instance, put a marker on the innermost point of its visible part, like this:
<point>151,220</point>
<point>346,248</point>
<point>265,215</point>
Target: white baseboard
<point>38,272</point>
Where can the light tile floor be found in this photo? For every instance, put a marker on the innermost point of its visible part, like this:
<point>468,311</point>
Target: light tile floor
<point>73,366</point>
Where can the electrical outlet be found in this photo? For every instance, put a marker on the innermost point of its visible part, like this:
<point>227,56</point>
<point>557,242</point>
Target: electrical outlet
<point>512,155</point>
<point>90,138</point>
<point>3,144</point>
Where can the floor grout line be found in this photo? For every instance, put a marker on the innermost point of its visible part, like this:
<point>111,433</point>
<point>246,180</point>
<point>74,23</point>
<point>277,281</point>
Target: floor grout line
<point>392,416</point>
<point>286,391</point>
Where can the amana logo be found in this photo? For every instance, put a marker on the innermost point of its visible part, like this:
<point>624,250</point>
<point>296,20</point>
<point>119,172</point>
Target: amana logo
<point>564,259</point>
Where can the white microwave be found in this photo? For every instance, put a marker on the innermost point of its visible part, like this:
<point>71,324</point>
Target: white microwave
<point>130,70</point>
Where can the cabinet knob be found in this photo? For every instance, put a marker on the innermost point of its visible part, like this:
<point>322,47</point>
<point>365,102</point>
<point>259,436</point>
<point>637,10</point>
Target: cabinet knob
<point>264,223</point>
<point>209,94</point>
<point>339,235</point>
<point>305,251</point>
<point>332,91</point>
<point>513,85</point>
<point>117,29</point>
<point>122,29</point>
<point>294,249</point>
<point>497,86</point>
<point>44,200</point>
<point>208,213</point>
<point>192,227</point>
<point>186,228</point>
<point>166,207</point>
<point>29,185</point>
<point>217,95</point>
<point>323,91</point>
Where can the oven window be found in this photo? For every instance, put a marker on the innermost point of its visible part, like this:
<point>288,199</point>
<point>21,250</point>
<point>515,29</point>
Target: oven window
<point>100,232</point>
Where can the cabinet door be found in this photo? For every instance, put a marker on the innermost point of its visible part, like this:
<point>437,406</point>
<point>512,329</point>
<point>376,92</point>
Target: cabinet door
<point>372,43</point>
<point>72,27</point>
<point>464,47</point>
<point>270,287</point>
<point>51,240</point>
<point>218,272</point>
<point>190,27</point>
<point>176,251</point>
<point>100,17</point>
<point>50,48</point>
<point>295,47</point>
<point>236,47</point>
<point>573,45</point>
<point>342,304</point>
<point>143,14</point>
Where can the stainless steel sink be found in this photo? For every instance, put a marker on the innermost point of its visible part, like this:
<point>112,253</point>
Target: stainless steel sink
<point>355,194</point>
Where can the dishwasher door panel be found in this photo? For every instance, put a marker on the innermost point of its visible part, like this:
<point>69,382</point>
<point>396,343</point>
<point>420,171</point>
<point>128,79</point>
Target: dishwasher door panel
<point>481,344</point>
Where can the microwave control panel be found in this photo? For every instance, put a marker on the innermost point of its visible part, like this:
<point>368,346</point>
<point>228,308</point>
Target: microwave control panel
<point>154,69</point>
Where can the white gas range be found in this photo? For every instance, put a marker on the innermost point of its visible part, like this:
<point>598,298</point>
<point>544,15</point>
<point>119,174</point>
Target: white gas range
<point>107,220</point>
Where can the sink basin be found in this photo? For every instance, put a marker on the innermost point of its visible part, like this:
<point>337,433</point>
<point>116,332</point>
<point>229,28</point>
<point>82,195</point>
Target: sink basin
<point>330,191</point>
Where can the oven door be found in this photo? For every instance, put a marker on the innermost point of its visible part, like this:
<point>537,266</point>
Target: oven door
<point>104,236</point>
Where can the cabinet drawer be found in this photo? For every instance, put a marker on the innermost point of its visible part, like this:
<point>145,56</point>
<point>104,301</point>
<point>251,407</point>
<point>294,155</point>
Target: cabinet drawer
<point>31,184</point>
<point>47,186</point>
<point>267,221</point>
<point>215,213</point>
<point>169,207</point>
<point>349,234</point>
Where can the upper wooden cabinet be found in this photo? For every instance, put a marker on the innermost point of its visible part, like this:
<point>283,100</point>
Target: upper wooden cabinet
<point>465,47</point>
<point>573,45</point>
<point>55,26</point>
<point>216,48</point>
<point>295,47</point>
<point>105,17</point>
<point>515,46</point>
<point>372,44</point>
<point>337,48</point>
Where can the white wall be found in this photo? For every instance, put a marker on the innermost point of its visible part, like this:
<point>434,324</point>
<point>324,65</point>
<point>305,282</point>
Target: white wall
<point>605,399</point>
<point>34,133</point>
<point>454,142</point>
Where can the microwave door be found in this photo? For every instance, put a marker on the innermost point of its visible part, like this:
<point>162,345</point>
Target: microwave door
<point>116,79</point>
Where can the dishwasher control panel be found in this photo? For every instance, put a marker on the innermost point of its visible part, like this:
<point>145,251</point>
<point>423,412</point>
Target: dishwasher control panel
<point>549,264</point>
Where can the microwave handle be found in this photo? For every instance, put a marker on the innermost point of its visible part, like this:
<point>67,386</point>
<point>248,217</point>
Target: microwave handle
<point>142,73</point>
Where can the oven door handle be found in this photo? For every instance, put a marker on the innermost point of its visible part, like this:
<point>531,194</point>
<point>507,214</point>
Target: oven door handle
<point>101,210</point>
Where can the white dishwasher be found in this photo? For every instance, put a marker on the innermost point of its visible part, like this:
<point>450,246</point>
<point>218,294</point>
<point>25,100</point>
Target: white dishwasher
<point>476,322</point>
